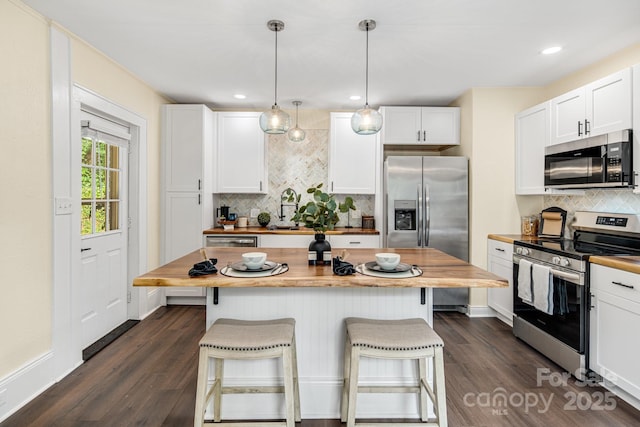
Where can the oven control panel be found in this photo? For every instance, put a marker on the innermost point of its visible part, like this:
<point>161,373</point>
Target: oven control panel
<point>611,221</point>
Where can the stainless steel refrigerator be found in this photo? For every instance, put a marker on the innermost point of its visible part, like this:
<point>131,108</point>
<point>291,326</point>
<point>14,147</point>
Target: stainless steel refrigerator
<point>427,205</point>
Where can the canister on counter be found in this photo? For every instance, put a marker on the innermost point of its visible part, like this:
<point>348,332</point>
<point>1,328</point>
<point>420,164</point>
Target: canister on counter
<point>368,222</point>
<point>529,225</point>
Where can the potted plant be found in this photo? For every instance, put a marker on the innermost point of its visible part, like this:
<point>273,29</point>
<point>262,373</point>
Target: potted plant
<point>321,214</point>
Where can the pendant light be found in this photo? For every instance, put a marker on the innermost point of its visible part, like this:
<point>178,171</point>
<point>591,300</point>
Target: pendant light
<point>295,133</point>
<point>275,121</point>
<point>366,121</point>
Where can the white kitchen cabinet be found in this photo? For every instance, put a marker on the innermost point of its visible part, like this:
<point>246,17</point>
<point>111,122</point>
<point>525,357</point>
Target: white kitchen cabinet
<point>615,318</point>
<point>600,107</point>
<point>187,186</point>
<point>285,241</point>
<point>532,136</point>
<point>499,262</point>
<point>354,241</point>
<point>420,125</point>
<point>352,158</point>
<point>636,121</point>
<point>241,153</point>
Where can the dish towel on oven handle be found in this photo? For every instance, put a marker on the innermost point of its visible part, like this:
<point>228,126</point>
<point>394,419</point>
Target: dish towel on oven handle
<point>542,288</point>
<point>524,281</point>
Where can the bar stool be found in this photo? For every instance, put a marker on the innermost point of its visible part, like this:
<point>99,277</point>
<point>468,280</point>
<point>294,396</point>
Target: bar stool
<point>246,339</point>
<point>394,339</point>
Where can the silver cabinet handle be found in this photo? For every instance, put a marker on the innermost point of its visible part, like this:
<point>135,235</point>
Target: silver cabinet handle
<point>427,215</point>
<point>199,184</point>
<point>419,227</point>
<point>623,285</point>
<point>418,136</point>
<point>579,128</point>
<point>587,131</point>
<point>260,185</point>
<point>424,135</point>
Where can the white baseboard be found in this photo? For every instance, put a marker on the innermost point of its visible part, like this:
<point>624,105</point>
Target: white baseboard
<point>23,385</point>
<point>480,311</point>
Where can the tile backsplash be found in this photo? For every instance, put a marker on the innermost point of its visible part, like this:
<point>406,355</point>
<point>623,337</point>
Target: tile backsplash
<point>298,165</point>
<point>614,201</point>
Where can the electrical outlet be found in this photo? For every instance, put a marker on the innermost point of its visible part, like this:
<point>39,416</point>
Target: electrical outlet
<point>255,213</point>
<point>357,214</point>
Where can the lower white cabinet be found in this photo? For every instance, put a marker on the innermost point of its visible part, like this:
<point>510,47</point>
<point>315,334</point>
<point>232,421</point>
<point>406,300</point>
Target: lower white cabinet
<point>499,262</point>
<point>285,241</point>
<point>614,323</point>
<point>354,241</point>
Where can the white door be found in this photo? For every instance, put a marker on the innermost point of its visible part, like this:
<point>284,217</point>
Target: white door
<point>103,276</point>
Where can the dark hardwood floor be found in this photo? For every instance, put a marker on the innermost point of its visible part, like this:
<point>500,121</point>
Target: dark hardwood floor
<point>147,377</point>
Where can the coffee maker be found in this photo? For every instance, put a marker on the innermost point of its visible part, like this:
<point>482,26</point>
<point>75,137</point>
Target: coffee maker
<point>222,211</point>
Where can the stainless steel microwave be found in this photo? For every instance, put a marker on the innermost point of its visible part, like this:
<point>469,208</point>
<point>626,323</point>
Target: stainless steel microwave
<point>603,161</point>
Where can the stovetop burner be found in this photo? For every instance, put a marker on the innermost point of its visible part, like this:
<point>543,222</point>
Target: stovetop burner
<point>573,249</point>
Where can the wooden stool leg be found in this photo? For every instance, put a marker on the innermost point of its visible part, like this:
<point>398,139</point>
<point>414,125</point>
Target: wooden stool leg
<point>296,385</point>
<point>217,389</point>
<point>345,380</point>
<point>201,388</point>
<point>287,370</point>
<point>438,384</point>
<point>353,385</point>
<point>422,383</point>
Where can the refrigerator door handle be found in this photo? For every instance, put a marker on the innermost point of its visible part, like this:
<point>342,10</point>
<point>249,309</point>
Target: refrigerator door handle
<point>427,219</point>
<point>419,228</point>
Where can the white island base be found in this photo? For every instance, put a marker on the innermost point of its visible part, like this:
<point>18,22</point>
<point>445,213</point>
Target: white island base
<point>320,333</point>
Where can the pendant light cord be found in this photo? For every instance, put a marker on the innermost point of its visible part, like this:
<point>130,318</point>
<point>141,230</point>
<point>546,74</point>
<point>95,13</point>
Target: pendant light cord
<point>366,87</point>
<point>275,96</point>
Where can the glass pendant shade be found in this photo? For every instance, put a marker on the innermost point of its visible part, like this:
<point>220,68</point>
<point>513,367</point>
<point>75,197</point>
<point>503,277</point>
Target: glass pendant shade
<point>274,121</point>
<point>296,134</point>
<point>366,121</point>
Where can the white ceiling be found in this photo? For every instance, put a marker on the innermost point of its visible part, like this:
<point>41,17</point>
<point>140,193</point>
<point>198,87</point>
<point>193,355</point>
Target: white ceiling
<point>423,52</point>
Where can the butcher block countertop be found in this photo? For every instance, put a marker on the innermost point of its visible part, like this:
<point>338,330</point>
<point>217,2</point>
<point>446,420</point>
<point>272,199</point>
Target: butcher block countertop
<point>286,231</point>
<point>509,238</point>
<point>626,263</point>
<point>439,271</point>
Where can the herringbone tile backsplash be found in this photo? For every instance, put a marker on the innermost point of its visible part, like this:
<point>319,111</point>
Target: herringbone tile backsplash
<point>298,165</point>
<point>614,201</point>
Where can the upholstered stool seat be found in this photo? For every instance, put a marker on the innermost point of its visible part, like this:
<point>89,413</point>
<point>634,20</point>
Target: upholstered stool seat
<point>394,339</point>
<point>248,339</point>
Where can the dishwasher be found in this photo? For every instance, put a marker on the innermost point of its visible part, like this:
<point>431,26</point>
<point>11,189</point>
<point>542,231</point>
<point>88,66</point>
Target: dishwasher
<point>213,241</point>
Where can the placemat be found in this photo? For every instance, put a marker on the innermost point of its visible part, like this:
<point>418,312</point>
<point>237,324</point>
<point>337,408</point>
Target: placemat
<point>279,269</point>
<point>414,272</point>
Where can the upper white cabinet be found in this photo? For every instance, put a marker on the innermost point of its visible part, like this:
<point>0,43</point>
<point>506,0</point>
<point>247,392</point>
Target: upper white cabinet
<point>421,125</point>
<point>532,136</point>
<point>499,262</point>
<point>352,158</point>
<point>241,160</point>
<point>600,107</point>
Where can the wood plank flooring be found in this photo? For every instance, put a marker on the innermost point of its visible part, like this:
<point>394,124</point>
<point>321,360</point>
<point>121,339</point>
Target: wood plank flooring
<point>147,377</point>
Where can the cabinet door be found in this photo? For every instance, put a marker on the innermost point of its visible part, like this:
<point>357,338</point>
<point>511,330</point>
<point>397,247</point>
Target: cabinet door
<point>352,158</point>
<point>609,104</point>
<point>286,241</point>
<point>401,125</point>
<point>182,142</point>
<point>440,126</point>
<point>183,234</point>
<point>241,160</point>
<point>354,241</point>
<point>567,116</point>
<point>499,263</point>
<point>532,136</point>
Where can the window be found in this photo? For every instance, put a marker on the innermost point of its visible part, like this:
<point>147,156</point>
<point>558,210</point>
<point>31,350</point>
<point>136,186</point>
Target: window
<point>101,181</point>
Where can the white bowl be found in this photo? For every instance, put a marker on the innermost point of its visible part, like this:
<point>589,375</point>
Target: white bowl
<point>387,260</point>
<point>254,260</point>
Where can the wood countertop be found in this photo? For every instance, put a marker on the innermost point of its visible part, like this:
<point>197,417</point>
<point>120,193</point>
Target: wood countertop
<point>285,231</point>
<point>439,271</point>
<point>509,238</point>
<point>625,263</point>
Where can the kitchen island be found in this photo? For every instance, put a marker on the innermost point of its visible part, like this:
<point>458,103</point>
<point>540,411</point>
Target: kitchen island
<point>319,301</point>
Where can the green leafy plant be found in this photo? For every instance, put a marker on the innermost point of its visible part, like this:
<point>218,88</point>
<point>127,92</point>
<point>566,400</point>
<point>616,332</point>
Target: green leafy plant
<point>321,213</point>
<point>264,218</point>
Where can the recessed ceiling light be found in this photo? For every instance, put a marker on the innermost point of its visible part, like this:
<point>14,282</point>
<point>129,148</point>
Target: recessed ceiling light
<point>552,50</point>
<point>355,97</point>
<point>239,96</point>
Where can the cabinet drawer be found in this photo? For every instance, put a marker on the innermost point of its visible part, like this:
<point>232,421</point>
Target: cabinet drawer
<point>500,249</point>
<point>616,282</point>
<point>354,241</point>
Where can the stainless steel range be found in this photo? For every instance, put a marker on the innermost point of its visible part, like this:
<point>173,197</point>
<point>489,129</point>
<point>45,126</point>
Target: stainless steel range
<point>560,330</point>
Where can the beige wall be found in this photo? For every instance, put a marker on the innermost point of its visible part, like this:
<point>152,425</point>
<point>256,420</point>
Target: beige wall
<point>26,215</point>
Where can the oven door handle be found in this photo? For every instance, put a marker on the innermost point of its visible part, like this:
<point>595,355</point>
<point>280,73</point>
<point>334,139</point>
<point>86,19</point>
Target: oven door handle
<point>563,275</point>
